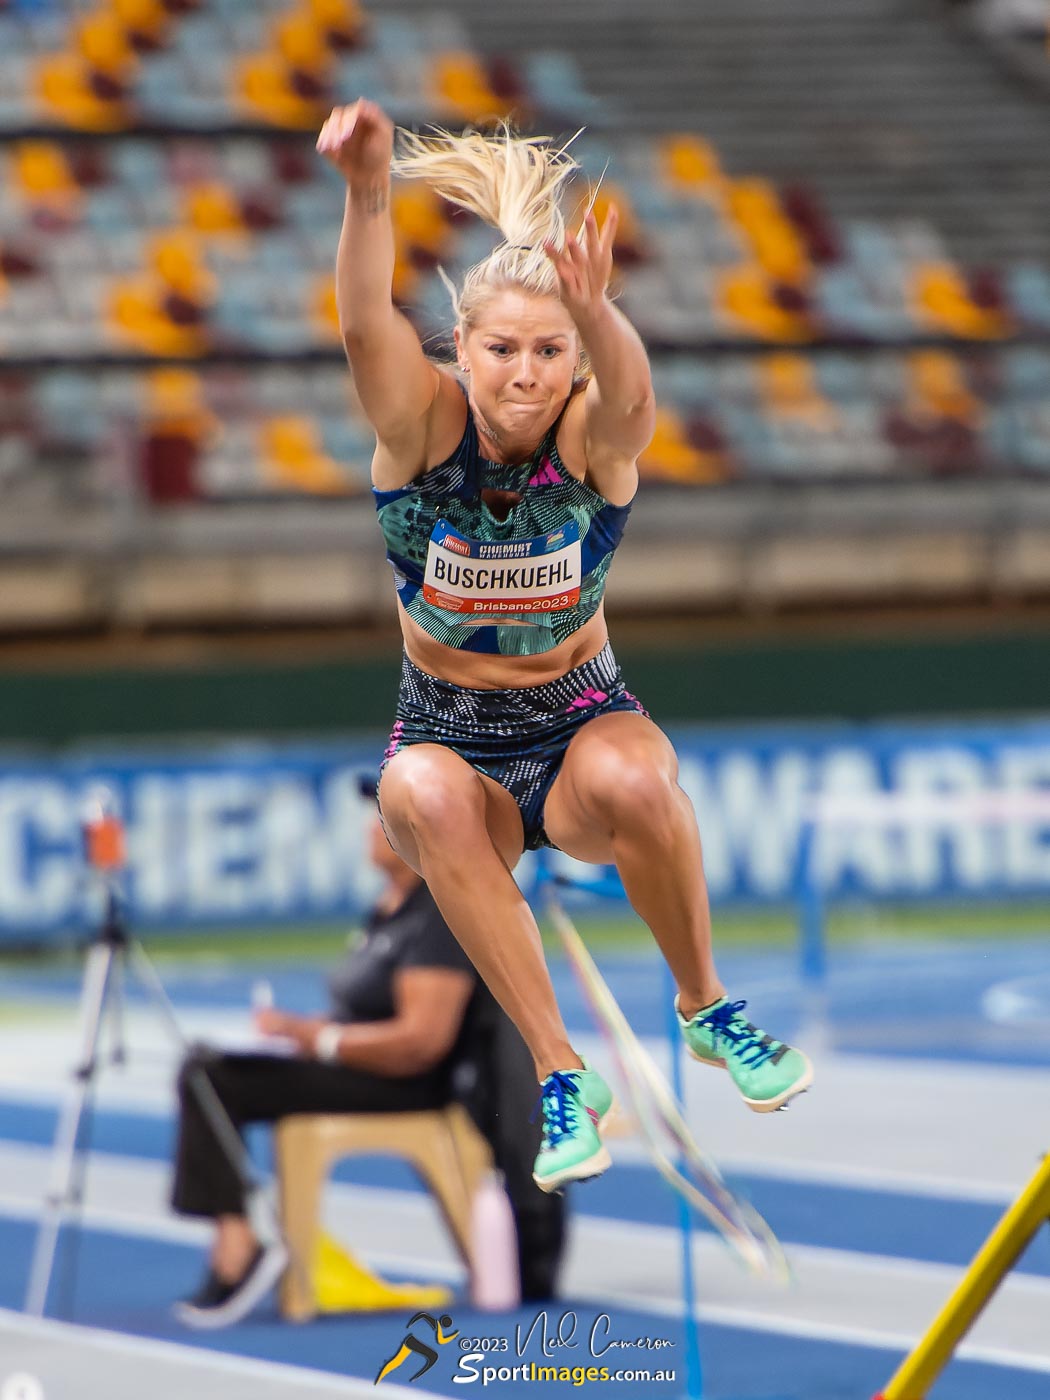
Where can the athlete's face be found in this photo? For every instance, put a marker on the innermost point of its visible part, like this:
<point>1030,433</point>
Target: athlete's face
<point>521,355</point>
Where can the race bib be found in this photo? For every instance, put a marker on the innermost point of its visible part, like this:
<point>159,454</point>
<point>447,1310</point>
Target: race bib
<point>487,582</point>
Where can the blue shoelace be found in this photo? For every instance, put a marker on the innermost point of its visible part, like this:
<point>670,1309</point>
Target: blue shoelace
<point>751,1046</point>
<point>558,1100</point>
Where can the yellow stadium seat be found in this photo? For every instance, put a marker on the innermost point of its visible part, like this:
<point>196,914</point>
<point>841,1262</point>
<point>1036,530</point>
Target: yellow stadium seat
<point>294,457</point>
<point>689,162</point>
<point>174,402</point>
<point>177,259</point>
<point>941,299</point>
<point>745,297</point>
<point>136,317</point>
<point>756,208</point>
<point>104,42</point>
<point>148,18</point>
<point>42,173</point>
<point>629,230</point>
<point>460,84</point>
<point>262,87</point>
<point>63,86</point>
<point>302,44</point>
<point>341,17</point>
<point>670,455</point>
<point>418,218</point>
<point>937,387</point>
<point>212,208</point>
<point>406,277</point>
<point>788,389</point>
<point>324,313</point>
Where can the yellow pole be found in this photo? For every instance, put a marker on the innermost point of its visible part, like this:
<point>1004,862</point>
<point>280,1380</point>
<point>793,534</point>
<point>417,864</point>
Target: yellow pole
<point>988,1269</point>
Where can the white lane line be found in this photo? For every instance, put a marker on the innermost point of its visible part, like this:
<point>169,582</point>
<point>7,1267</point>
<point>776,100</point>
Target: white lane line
<point>870,1123</point>
<point>97,1339</point>
<point>832,1332</point>
<point>837,1296</point>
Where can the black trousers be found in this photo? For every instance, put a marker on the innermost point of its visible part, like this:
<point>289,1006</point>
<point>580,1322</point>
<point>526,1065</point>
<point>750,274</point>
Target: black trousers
<point>263,1089</point>
<point>498,1086</point>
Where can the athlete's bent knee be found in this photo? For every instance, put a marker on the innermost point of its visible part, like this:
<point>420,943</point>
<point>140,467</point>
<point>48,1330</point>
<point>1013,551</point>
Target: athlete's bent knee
<point>433,800</point>
<point>632,787</point>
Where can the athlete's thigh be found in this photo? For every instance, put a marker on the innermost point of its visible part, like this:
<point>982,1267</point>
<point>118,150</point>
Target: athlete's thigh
<point>608,756</point>
<point>426,788</point>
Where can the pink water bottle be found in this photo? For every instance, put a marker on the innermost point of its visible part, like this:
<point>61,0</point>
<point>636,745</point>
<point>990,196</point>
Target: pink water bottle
<point>495,1284</point>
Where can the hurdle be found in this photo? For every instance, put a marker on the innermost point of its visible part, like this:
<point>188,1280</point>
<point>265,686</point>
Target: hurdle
<point>1011,1236</point>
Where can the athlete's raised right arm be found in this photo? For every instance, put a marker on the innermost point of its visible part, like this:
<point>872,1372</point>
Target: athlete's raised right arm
<point>395,382</point>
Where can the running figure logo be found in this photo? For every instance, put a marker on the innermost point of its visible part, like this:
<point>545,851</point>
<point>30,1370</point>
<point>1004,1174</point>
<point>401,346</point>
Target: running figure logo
<point>413,1344</point>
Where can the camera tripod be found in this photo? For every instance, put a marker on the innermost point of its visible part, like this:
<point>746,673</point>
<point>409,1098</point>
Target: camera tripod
<point>110,954</point>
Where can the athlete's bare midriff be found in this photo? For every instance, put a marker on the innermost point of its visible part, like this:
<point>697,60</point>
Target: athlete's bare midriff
<point>483,671</point>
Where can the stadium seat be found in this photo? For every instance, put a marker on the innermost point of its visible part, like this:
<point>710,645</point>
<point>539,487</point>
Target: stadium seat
<point>689,164</point>
<point>293,457</point>
<point>942,298</point>
<point>442,1145</point>
<point>672,456</point>
<point>461,89</point>
<point>751,303</point>
<point>790,392</point>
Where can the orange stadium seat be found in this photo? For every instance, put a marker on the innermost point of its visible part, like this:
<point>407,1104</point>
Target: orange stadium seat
<point>937,426</point>
<point>303,44</point>
<point>324,314</point>
<point>748,298</point>
<point>104,41</point>
<point>163,310</point>
<point>288,84</point>
<point>672,457</point>
<point>212,208</point>
<point>689,163</point>
<point>342,22</point>
<point>630,240</point>
<point>66,88</point>
<point>294,458</point>
<point>145,22</point>
<point>942,299</point>
<point>755,206</point>
<point>420,225</point>
<point>788,390</point>
<point>176,424</point>
<point>937,386</point>
<point>43,178</point>
<point>462,88</point>
<point>264,87</point>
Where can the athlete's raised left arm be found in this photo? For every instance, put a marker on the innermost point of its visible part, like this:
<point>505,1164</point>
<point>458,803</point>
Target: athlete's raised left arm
<point>618,409</point>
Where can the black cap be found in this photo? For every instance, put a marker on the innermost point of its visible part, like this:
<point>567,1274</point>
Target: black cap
<point>367,784</point>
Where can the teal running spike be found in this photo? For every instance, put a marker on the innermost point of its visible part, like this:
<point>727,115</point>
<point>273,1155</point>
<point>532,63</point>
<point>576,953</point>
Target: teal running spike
<point>576,1104</point>
<point>767,1072</point>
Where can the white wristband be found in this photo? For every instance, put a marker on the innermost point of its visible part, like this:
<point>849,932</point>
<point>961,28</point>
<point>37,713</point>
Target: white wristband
<point>327,1041</point>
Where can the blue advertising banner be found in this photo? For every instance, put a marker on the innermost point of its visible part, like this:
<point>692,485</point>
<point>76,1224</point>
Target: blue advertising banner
<point>276,833</point>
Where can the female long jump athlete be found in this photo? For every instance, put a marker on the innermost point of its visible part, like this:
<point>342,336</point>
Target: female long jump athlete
<point>502,494</point>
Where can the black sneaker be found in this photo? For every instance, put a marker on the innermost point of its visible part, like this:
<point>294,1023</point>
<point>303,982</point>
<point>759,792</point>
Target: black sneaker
<point>220,1304</point>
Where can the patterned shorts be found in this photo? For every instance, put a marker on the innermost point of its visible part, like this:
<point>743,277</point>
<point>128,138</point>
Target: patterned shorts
<point>517,737</point>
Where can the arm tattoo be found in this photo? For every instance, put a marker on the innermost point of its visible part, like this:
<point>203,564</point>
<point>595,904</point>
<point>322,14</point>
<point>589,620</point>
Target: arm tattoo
<point>373,200</point>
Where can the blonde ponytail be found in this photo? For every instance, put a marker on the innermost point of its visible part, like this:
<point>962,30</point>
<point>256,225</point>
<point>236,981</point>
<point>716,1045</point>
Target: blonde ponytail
<point>514,184</point>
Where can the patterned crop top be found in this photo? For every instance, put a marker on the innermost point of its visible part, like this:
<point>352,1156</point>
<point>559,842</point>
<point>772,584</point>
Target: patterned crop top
<point>513,587</point>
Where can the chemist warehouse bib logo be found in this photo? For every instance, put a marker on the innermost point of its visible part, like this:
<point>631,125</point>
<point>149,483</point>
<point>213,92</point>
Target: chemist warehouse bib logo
<point>484,581</point>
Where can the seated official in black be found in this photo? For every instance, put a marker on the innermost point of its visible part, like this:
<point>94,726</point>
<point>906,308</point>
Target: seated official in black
<point>410,1027</point>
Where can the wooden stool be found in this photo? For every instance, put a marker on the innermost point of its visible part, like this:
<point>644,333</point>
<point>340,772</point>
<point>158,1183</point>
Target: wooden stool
<point>442,1144</point>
